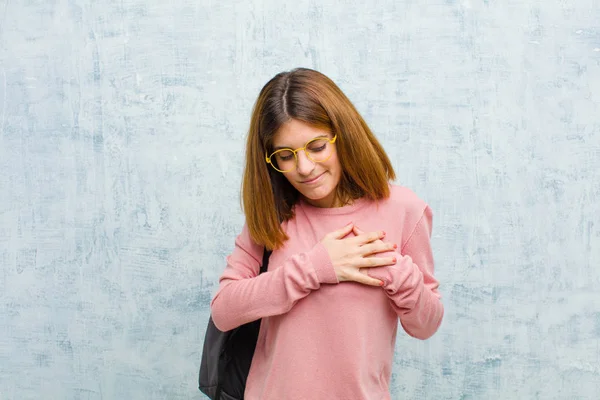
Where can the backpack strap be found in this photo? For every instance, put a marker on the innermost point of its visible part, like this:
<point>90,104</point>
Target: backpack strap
<point>265,261</point>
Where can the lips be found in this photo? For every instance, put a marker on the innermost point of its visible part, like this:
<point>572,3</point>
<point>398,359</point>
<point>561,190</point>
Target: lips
<point>314,179</point>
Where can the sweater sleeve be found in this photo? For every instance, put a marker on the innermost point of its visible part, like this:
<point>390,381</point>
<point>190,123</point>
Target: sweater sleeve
<point>410,284</point>
<point>244,295</point>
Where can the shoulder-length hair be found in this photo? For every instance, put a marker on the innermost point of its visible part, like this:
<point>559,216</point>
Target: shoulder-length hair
<point>311,97</point>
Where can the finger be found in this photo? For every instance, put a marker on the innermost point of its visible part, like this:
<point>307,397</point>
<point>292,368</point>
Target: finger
<point>369,237</point>
<point>366,280</point>
<point>357,231</point>
<point>377,247</point>
<point>373,262</point>
<point>340,233</point>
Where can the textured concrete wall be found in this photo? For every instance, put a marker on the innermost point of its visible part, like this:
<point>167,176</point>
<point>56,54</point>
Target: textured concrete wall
<point>122,128</point>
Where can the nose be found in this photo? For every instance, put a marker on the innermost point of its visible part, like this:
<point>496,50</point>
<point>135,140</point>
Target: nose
<point>305,165</point>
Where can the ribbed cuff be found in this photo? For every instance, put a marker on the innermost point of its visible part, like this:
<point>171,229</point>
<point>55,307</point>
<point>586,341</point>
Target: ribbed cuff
<point>321,262</point>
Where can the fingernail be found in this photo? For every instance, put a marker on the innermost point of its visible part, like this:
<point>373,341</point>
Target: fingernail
<point>395,246</point>
<point>380,283</point>
<point>394,260</point>
<point>382,233</point>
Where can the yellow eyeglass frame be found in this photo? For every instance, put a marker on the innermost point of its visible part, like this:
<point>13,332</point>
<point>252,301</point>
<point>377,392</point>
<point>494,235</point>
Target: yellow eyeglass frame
<point>268,158</point>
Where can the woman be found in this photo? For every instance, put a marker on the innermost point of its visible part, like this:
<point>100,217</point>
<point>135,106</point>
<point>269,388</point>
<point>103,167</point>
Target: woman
<point>351,255</point>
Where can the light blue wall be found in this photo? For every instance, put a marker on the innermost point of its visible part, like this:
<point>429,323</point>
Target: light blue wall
<point>122,129</point>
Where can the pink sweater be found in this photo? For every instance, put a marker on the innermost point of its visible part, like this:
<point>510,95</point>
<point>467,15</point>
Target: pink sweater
<point>324,339</point>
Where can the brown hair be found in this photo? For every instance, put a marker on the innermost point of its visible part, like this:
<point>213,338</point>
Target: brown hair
<point>311,97</point>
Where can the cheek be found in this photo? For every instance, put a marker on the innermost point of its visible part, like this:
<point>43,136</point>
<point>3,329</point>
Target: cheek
<point>290,176</point>
<point>334,166</point>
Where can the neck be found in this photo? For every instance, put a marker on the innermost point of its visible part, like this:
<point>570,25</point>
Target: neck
<point>335,202</point>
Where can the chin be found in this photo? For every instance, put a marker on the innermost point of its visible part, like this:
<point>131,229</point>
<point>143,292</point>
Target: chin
<point>322,194</point>
<point>319,198</point>
<point>318,195</point>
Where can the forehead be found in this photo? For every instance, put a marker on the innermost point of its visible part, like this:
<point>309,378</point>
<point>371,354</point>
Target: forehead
<point>296,133</point>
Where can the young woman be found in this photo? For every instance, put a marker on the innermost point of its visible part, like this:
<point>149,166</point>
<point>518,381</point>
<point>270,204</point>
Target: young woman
<point>351,251</point>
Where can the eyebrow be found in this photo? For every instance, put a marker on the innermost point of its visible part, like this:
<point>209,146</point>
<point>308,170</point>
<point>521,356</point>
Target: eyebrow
<point>288,147</point>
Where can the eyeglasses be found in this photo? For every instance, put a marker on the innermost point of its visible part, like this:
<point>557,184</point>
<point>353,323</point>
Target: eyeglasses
<point>317,150</point>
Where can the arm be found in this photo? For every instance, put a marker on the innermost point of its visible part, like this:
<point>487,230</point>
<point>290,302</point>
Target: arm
<point>410,284</point>
<point>244,295</point>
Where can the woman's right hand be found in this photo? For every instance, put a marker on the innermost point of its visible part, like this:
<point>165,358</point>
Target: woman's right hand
<point>349,254</point>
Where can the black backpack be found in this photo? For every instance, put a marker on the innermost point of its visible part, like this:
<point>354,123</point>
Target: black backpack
<point>226,356</point>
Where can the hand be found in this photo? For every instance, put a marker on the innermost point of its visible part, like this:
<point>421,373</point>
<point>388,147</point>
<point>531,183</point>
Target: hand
<point>350,254</point>
<point>357,232</point>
